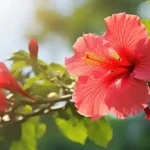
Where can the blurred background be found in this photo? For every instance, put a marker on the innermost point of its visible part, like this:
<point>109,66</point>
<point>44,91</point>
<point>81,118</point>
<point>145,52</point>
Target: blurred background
<point>57,24</point>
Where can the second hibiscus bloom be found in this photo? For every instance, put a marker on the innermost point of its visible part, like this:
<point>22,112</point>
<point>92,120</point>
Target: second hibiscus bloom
<point>112,69</point>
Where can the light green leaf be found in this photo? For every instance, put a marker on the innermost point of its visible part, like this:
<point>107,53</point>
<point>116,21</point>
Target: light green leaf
<point>42,63</point>
<point>78,129</point>
<point>18,65</point>
<point>28,138</point>
<point>18,145</point>
<point>34,120</point>
<point>99,131</point>
<point>30,82</point>
<point>41,129</point>
<point>147,24</point>
<point>29,131</point>
<point>72,128</point>
<point>29,135</point>
<point>56,66</point>
<point>55,69</point>
<point>20,56</point>
<point>44,88</point>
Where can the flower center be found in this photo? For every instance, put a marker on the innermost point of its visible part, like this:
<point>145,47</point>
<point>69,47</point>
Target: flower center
<point>129,68</point>
<point>132,62</point>
<point>121,64</point>
<point>94,60</point>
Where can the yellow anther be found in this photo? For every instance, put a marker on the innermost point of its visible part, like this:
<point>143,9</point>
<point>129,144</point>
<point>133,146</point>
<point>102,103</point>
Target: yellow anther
<point>93,59</point>
<point>116,56</point>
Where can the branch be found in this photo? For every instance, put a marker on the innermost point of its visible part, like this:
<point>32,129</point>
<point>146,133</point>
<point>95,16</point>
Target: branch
<point>39,107</point>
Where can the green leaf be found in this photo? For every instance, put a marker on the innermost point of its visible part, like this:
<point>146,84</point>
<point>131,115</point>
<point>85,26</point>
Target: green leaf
<point>147,24</point>
<point>18,65</point>
<point>44,88</point>
<point>31,130</point>
<point>99,131</point>
<point>72,128</point>
<point>20,56</point>
<point>18,145</point>
<point>42,64</point>
<point>41,129</point>
<point>34,120</point>
<point>57,67</point>
<point>29,135</point>
<point>66,78</point>
<point>28,139</point>
<point>30,82</point>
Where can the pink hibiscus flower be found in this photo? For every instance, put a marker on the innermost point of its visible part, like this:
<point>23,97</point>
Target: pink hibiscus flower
<point>112,69</point>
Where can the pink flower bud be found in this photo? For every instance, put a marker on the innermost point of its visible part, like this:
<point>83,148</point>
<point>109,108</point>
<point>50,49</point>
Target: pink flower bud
<point>33,48</point>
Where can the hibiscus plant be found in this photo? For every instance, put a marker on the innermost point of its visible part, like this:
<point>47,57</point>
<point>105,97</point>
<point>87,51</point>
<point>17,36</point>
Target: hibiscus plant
<point>107,76</point>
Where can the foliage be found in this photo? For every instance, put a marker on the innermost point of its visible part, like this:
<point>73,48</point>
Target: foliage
<point>77,129</point>
<point>49,83</point>
<point>30,132</point>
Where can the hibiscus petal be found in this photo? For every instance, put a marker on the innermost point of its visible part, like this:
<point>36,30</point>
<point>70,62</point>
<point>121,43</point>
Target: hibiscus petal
<point>127,97</point>
<point>8,82</point>
<point>3,104</point>
<point>126,32</point>
<point>75,65</point>
<point>89,97</point>
<point>142,69</point>
<point>87,43</point>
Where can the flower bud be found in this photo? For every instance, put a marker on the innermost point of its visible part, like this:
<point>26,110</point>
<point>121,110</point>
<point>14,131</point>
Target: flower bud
<point>147,113</point>
<point>33,48</point>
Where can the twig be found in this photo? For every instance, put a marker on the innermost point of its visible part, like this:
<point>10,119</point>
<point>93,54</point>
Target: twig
<point>39,107</point>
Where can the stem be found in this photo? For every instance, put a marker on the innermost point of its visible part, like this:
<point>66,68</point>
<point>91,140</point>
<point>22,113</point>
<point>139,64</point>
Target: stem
<point>40,107</point>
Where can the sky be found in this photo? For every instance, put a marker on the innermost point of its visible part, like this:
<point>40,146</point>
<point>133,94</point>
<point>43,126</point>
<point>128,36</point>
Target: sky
<point>15,17</point>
